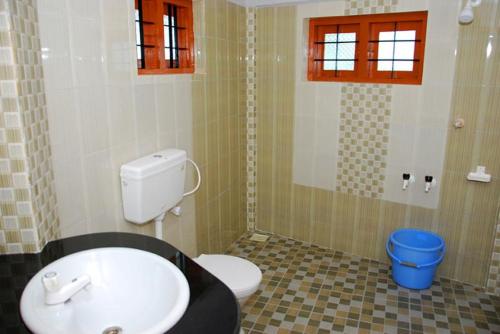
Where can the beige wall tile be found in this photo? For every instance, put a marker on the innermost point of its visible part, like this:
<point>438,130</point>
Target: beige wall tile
<point>219,140</point>
<point>466,214</point>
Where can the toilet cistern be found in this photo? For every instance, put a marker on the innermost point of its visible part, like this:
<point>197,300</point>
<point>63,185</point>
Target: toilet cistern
<point>57,294</point>
<point>153,185</point>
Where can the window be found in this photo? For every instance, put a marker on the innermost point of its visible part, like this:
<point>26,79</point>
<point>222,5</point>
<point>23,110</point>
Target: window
<point>379,48</point>
<point>164,36</point>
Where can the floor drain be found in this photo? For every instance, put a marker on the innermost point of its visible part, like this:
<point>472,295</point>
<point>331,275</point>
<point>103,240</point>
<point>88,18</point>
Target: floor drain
<point>113,330</point>
<point>259,237</point>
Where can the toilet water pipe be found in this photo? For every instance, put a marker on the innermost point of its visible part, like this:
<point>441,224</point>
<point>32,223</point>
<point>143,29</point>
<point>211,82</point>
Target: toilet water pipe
<point>159,220</point>
<point>159,226</point>
<point>195,189</point>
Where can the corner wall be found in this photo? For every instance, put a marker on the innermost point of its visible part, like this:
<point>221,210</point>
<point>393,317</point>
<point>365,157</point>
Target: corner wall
<point>219,118</point>
<point>28,216</point>
<point>102,114</point>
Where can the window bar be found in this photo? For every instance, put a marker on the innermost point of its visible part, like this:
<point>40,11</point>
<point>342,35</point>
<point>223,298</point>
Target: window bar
<point>176,37</point>
<point>170,50</point>
<point>141,34</point>
<point>392,40</point>
<point>394,50</point>
<point>387,59</point>
<point>343,42</point>
<point>341,59</point>
<point>337,51</point>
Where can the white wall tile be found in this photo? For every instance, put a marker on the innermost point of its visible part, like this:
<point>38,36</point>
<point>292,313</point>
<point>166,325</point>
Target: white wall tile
<point>165,107</point>
<point>7,195</point>
<point>75,229</point>
<point>14,248</point>
<point>145,112</point>
<point>16,151</point>
<point>102,114</point>
<point>20,180</point>
<point>94,120</point>
<point>24,208</point>
<point>28,236</point>
<point>71,190</point>
<point>12,119</point>
<point>121,114</point>
<point>54,37</point>
<point>99,194</point>
<point>11,223</point>
<point>5,166</point>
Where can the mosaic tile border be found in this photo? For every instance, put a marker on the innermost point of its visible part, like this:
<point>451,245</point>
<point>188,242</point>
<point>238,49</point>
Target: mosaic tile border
<point>363,139</point>
<point>27,201</point>
<point>251,120</point>
<point>17,229</point>
<point>359,7</point>
<point>364,124</point>
<point>493,283</point>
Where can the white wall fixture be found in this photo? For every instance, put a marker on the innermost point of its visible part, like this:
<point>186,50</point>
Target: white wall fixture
<point>430,182</point>
<point>132,291</point>
<point>407,180</point>
<point>459,123</point>
<point>467,14</point>
<point>153,185</point>
<point>479,175</point>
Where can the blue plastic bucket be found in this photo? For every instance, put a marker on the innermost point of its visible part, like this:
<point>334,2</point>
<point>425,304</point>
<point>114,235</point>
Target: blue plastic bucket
<point>415,256</point>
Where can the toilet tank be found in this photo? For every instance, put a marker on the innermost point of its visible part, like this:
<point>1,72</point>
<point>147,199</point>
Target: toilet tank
<point>153,184</point>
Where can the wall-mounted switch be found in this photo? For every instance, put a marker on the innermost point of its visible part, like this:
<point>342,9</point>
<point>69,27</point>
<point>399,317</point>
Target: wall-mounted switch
<point>407,179</point>
<point>430,182</point>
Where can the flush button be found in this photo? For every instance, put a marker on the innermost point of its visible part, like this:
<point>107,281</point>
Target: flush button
<point>157,156</point>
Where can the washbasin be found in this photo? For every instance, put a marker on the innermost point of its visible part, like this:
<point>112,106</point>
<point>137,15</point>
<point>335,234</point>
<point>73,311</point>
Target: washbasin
<point>126,291</point>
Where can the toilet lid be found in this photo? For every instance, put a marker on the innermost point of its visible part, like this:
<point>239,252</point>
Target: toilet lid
<point>240,275</point>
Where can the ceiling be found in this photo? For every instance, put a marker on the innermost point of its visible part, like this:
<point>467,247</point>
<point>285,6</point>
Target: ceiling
<point>264,3</point>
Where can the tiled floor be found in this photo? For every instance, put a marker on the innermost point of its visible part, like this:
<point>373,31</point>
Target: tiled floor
<point>308,289</point>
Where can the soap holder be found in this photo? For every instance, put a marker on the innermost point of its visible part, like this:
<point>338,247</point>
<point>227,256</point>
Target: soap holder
<point>479,175</point>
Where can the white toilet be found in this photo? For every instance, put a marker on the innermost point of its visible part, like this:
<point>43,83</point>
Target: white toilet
<point>240,275</point>
<point>153,185</point>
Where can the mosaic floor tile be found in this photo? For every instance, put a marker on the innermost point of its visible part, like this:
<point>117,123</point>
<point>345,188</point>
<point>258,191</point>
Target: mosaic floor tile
<point>309,289</point>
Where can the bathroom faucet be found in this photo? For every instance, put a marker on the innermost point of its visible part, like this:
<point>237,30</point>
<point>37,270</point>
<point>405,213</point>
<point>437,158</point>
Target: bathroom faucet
<point>430,181</point>
<point>56,294</point>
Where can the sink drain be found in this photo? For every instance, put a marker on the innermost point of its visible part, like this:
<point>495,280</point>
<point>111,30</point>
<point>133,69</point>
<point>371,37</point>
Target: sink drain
<point>113,330</point>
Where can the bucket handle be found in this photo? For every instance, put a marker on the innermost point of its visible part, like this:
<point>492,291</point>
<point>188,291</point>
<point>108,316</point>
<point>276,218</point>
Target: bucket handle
<point>411,264</point>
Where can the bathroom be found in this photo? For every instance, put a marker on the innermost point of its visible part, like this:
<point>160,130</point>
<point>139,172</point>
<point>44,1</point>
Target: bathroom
<point>315,165</point>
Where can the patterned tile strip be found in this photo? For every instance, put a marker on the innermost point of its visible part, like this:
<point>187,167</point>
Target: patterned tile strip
<point>364,124</point>
<point>16,212</point>
<point>363,139</point>
<point>359,7</point>
<point>251,121</point>
<point>493,284</point>
<point>28,216</point>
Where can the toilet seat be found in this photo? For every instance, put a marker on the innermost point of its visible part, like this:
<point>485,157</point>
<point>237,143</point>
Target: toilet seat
<point>240,275</point>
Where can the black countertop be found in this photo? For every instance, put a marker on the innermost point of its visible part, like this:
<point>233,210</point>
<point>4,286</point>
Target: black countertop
<point>212,306</point>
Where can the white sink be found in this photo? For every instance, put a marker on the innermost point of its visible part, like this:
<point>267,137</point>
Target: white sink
<point>131,291</point>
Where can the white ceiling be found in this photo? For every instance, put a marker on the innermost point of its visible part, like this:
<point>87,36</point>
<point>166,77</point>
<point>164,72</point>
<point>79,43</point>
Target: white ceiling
<point>264,3</point>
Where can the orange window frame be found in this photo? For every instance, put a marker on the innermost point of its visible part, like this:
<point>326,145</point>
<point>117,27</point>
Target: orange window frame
<point>153,38</point>
<point>367,34</point>
<point>320,47</point>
